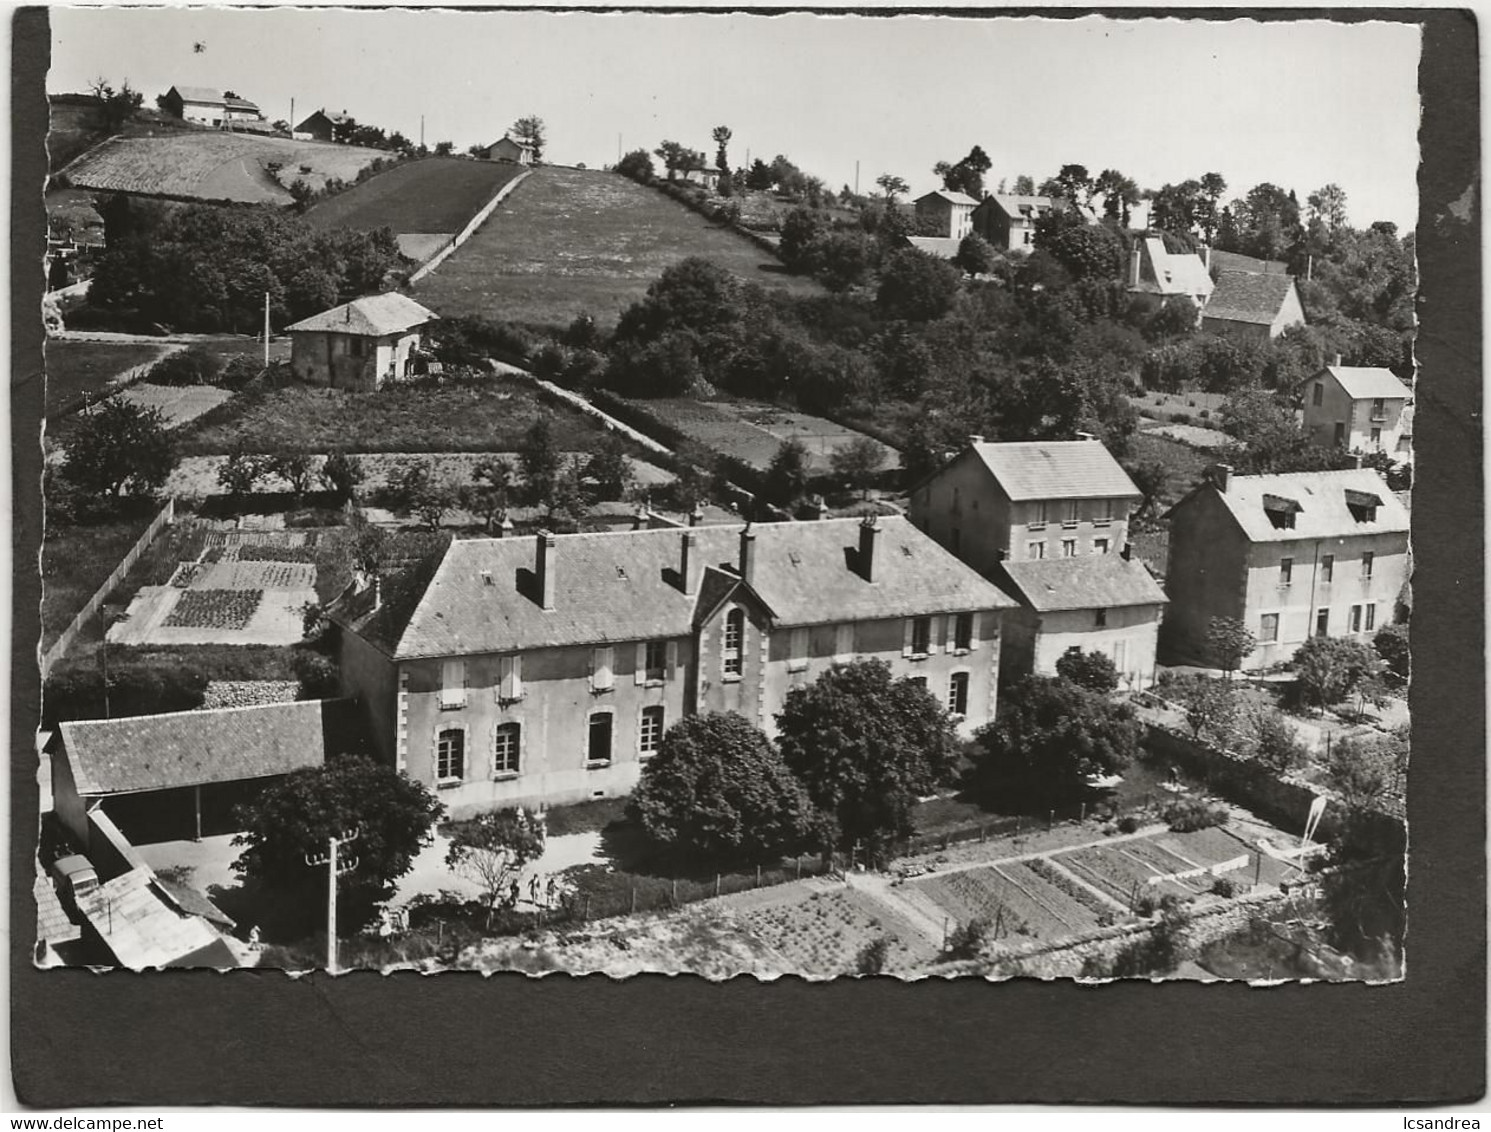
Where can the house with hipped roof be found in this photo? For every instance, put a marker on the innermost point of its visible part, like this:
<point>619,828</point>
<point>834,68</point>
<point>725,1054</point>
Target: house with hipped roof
<point>359,345</point>
<point>1358,408</point>
<point>945,214</point>
<point>1291,556</point>
<point>209,106</point>
<point>1252,306</point>
<point>1157,277</point>
<point>1047,521</point>
<point>546,669</point>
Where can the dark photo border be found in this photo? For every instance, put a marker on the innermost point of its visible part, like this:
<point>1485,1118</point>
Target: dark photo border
<point>260,1038</point>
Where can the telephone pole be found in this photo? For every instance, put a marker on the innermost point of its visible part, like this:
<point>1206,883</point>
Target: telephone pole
<point>334,870</point>
<point>266,329</point>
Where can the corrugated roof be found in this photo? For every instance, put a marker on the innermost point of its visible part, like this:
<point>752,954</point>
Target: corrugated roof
<point>195,748</point>
<point>948,195</point>
<point>1056,469</point>
<point>143,930</point>
<point>1367,382</point>
<point>1321,497</point>
<point>373,316</point>
<point>623,585</point>
<point>943,247</point>
<point>1248,296</point>
<point>1096,581</point>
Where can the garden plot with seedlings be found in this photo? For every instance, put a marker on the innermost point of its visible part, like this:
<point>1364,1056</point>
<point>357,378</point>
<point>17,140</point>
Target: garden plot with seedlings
<point>823,936</point>
<point>179,404</point>
<point>1117,874</point>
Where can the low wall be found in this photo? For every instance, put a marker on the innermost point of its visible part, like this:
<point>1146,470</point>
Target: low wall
<point>249,693</point>
<point>465,233</point>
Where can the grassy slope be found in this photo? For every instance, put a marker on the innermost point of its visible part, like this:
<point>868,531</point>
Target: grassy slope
<point>438,194</point>
<point>572,241</point>
<point>75,368</point>
<point>76,561</point>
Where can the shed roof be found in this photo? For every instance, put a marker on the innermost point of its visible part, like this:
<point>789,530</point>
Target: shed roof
<point>624,586</point>
<point>1095,581</point>
<point>374,316</point>
<point>1055,469</point>
<point>196,748</point>
<point>1365,382</point>
<point>1322,501</point>
<point>1248,296</point>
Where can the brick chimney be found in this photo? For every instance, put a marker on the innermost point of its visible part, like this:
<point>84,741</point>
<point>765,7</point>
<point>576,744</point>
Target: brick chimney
<point>543,568</point>
<point>1221,476</point>
<point>640,519</point>
<point>869,537</point>
<point>747,566</point>
<point>821,508</point>
<point>686,562</point>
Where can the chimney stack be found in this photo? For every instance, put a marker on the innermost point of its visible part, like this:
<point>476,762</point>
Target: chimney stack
<point>1356,460</point>
<point>975,438</point>
<point>1134,265</point>
<point>1221,477</point>
<point>1207,249</point>
<point>696,516</point>
<point>869,536</point>
<point>505,528</point>
<point>1086,436</point>
<point>543,567</point>
<point>747,565</point>
<point>686,562</point>
<point>377,593</point>
<point>1337,362</point>
<point>639,520</point>
<point>822,509</point>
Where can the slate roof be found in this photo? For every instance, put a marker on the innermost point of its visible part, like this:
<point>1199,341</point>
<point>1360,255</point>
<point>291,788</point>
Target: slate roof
<point>374,316</point>
<point>1173,274</point>
<point>1363,383</point>
<point>1248,296</point>
<point>1233,261</point>
<point>1012,203</point>
<point>1097,581</point>
<point>1055,469</point>
<point>143,929</point>
<point>1321,497</point>
<point>195,748</point>
<point>948,195</point>
<point>943,247</point>
<point>623,586</point>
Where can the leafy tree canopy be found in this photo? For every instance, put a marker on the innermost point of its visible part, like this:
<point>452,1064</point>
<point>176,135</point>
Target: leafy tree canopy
<point>119,448</point>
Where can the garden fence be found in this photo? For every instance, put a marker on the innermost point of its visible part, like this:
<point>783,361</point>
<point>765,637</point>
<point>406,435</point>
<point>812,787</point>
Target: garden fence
<point>90,608</point>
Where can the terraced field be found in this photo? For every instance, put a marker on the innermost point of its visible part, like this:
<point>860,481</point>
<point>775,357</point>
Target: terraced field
<point>576,241</point>
<point>436,196</point>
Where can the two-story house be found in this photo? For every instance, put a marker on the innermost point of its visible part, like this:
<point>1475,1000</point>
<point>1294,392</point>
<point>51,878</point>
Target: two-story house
<point>209,106</point>
<point>1157,276</point>
<point>1048,522</point>
<point>1008,221</point>
<point>1250,306</point>
<point>546,669</point>
<point>1359,408</point>
<point>359,345</point>
<point>945,214</point>
<point>1291,556</point>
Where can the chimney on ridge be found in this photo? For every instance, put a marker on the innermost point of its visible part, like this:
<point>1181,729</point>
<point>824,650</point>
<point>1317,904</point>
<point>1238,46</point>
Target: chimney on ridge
<point>543,568</point>
<point>686,562</point>
<point>1134,265</point>
<point>1337,362</point>
<point>505,528</point>
<point>869,536</point>
<point>639,520</point>
<point>747,565</point>
<point>696,516</point>
<point>1221,476</point>
<point>975,438</point>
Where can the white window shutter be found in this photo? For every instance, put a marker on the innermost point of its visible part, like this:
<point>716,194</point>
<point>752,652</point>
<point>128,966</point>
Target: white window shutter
<point>672,660</point>
<point>517,677</point>
<point>973,637</point>
<point>948,628</point>
<point>906,640</point>
<point>605,667</point>
<point>843,641</point>
<point>641,677</point>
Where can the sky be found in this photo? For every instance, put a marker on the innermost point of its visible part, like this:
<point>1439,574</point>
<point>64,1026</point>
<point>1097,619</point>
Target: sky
<point>1297,103</point>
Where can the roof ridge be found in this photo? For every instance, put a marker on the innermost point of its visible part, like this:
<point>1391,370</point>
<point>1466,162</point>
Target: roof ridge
<point>199,712</point>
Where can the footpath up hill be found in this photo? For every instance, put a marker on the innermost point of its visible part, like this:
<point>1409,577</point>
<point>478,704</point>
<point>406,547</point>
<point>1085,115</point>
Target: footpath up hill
<point>572,241</point>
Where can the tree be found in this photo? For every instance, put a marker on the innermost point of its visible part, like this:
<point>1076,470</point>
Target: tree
<point>916,287</point>
<point>1074,185</point>
<point>391,814</point>
<point>1151,477</point>
<point>444,148</point>
<point>610,467</point>
<point>892,186</point>
<point>119,448</point>
<point>1119,192</point>
<point>721,136</point>
<point>1209,705</point>
<point>856,462</point>
<point>116,107</point>
<point>866,746</point>
<point>1049,738</point>
<point>1328,206</point>
<point>1094,670</point>
<point>1229,643</point>
<point>488,491</point>
<point>566,506</point>
<point>675,156</point>
<point>316,673</point>
<point>787,474</point>
<point>530,130</point>
<point>295,469</point>
<point>1369,774</point>
<point>492,849</point>
<point>976,256</point>
<point>718,791</point>
<point>800,229</point>
<point>540,459</point>
<point>637,165</point>
<point>416,487</point>
<point>759,176</point>
<point>1391,643</point>
<point>840,260</point>
<point>967,175</point>
<point>342,473</point>
<point>1275,743</point>
<point>1328,670</point>
<point>1024,185</point>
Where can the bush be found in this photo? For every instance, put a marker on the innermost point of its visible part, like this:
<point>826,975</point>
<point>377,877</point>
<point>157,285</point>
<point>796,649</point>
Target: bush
<point>1186,815</point>
<point>967,940</point>
<point>871,959</point>
<point>1128,824</point>
<point>1224,887</point>
<point>318,675</point>
<point>239,371</point>
<point>192,366</point>
<point>145,689</point>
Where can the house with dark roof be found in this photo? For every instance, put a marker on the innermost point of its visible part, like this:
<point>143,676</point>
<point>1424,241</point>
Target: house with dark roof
<point>359,345</point>
<point>209,106</point>
<point>1157,276</point>
<point>1008,221</point>
<point>1358,408</point>
<point>1218,261</point>
<point>1292,556</point>
<point>543,670</point>
<point>1252,306</point>
<point>945,214</point>
<point>172,776</point>
<point>1047,521</point>
<point>320,126</point>
<point>510,150</point>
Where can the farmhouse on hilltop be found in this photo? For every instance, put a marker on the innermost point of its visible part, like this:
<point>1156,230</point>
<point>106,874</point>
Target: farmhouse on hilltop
<point>509,150</point>
<point>359,345</point>
<point>209,107</point>
<point>320,126</point>
<point>546,669</point>
<point>1252,306</point>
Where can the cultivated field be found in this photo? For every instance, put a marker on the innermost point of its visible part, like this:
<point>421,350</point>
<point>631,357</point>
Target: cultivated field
<point>574,241</point>
<point>76,560</point>
<point>75,369</point>
<point>211,165</point>
<point>438,195</point>
<point>467,417</point>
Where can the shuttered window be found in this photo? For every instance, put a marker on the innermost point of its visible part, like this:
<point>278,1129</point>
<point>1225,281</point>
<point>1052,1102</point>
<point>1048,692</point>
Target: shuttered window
<point>453,684</point>
<point>602,669</point>
<point>843,641</point>
<point>510,678</point>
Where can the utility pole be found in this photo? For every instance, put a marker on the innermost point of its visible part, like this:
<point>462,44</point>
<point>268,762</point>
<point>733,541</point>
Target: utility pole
<point>856,178</point>
<point>266,329</point>
<point>333,871</point>
<point>421,131</point>
<point>292,115</point>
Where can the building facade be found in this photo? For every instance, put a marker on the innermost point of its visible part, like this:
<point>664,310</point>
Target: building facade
<point>546,669</point>
<point>1359,408</point>
<point>1047,521</point>
<point>320,126</point>
<point>1008,222</point>
<point>945,214</point>
<point>209,107</point>
<point>1290,556</point>
<point>360,345</point>
<point>513,152</point>
<point>1157,276</point>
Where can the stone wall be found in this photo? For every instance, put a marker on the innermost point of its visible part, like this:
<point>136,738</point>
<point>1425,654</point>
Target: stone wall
<point>249,693</point>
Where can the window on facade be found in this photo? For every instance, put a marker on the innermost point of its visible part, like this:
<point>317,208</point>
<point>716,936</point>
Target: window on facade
<point>655,659</point>
<point>1073,508</point>
<point>1069,548</point>
<point>1100,618</point>
<point>843,641</point>
<point>598,742</point>
<point>734,641</point>
<point>603,669</point>
<point>919,681</point>
<point>1318,397</point>
<point>1367,558</point>
<point>1121,655</point>
<point>1100,546</point>
<point>1327,568</point>
<point>963,632</point>
<point>957,693</point>
<point>505,753</point>
<point>510,678</point>
<point>1322,622</point>
<point>1379,409</point>
<point>1286,571</point>
<point>797,650</point>
<point>354,346</point>
<point>1355,619</point>
<point>1376,437</point>
<point>1268,628</point>
<point>1104,512</point>
<point>1371,619</point>
<point>1038,515</point>
<point>453,684</point>
<point>921,636</point>
<point>1036,550</point>
<point>650,734</point>
<point>450,755</point>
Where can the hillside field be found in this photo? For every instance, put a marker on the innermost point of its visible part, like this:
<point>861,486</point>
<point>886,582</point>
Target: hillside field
<point>576,241</point>
<point>76,368</point>
<point>435,195</point>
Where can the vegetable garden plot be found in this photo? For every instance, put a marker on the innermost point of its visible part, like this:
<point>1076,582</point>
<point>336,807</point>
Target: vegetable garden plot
<point>1115,875</point>
<point>242,575</point>
<point>214,609</point>
<point>1068,908</point>
<point>913,946</point>
<point>1006,900</point>
<point>186,574</point>
<point>1208,847</point>
<point>823,935</point>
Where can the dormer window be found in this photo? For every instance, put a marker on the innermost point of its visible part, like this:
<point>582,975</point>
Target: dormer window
<point>1363,506</point>
<point>1280,511</point>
